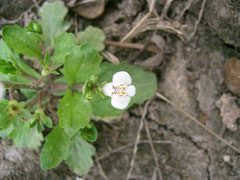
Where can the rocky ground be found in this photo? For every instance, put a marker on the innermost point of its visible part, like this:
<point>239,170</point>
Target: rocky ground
<point>190,74</point>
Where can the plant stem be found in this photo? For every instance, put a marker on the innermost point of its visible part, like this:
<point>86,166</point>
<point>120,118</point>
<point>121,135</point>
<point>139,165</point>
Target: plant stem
<point>14,85</point>
<point>11,94</point>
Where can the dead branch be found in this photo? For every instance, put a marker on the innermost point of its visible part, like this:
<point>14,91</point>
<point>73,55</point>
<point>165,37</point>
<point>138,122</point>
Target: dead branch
<point>198,21</point>
<point>137,140</point>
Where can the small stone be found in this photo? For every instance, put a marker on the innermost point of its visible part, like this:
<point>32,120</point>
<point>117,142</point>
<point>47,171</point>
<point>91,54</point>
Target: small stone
<point>226,158</point>
<point>231,75</point>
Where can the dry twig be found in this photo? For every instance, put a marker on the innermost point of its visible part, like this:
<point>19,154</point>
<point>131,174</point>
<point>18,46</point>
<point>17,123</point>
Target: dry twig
<point>157,24</point>
<point>129,145</point>
<point>100,168</point>
<point>135,28</point>
<point>165,9</point>
<point>187,6</point>
<point>153,150</point>
<point>137,140</point>
<point>153,49</point>
<point>192,118</point>
<point>198,21</point>
<point>110,57</point>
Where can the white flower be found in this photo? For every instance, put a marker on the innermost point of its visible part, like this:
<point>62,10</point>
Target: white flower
<point>120,90</point>
<point>2,91</point>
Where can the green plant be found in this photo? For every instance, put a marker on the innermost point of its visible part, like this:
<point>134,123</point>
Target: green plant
<point>69,69</point>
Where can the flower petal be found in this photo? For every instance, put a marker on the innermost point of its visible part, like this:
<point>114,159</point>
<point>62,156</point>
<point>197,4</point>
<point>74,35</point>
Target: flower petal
<point>122,77</point>
<point>108,89</point>
<point>2,91</point>
<point>120,102</point>
<point>131,90</point>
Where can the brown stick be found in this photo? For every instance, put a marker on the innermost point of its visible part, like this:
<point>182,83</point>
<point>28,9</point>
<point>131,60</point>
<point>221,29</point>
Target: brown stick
<point>137,140</point>
<point>153,49</point>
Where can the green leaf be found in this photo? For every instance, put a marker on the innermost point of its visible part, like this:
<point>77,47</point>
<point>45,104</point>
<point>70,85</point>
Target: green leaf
<point>46,120</point>
<point>14,78</point>
<point>5,121</point>
<point>5,51</point>
<point>21,42</point>
<point>4,116</point>
<point>52,15</point>
<point>63,45</point>
<point>89,133</point>
<point>5,132</point>
<point>24,67</point>
<point>93,36</point>
<point>74,112</point>
<point>3,106</point>
<point>56,148</point>
<point>7,67</point>
<point>80,156</point>
<point>23,135</point>
<point>9,56</point>
<point>83,62</point>
<point>145,82</point>
<point>34,26</point>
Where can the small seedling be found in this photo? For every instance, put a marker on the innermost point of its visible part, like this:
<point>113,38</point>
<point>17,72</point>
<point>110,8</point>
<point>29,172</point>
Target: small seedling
<point>69,69</point>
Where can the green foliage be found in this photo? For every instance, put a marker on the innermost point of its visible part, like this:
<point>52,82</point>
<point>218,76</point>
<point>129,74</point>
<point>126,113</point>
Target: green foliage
<point>56,148</point>
<point>5,132</point>
<point>93,36</point>
<point>80,156</point>
<point>89,133</point>
<point>145,82</point>
<point>34,27</point>
<point>13,78</point>
<point>7,55</point>
<point>61,50</point>
<point>25,136</point>
<point>22,42</point>
<point>81,63</point>
<point>28,56</point>
<point>7,67</point>
<point>52,22</point>
<point>74,112</point>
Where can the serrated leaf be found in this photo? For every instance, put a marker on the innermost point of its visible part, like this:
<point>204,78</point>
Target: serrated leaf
<point>56,148</point>
<point>52,15</point>
<point>89,133</point>
<point>83,62</point>
<point>145,82</point>
<point>23,135</point>
<point>21,42</point>
<point>63,45</point>
<point>74,112</point>
<point>80,156</point>
<point>93,36</point>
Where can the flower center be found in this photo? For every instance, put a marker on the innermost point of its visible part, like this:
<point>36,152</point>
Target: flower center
<point>119,89</point>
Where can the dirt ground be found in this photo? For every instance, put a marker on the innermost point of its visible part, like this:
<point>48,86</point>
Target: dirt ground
<point>190,74</point>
